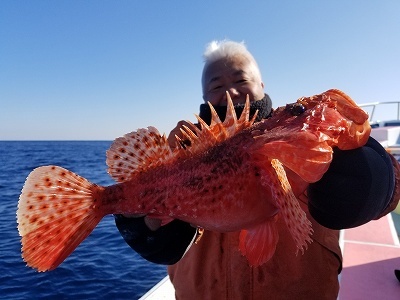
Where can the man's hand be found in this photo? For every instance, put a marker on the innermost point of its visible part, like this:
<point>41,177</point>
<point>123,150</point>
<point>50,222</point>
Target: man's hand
<point>177,132</point>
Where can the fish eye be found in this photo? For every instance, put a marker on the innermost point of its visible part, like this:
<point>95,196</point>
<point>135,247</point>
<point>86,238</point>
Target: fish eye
<point>296,109</point>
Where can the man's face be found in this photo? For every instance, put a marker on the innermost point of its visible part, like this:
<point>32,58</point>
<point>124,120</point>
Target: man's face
<point>235,75</point>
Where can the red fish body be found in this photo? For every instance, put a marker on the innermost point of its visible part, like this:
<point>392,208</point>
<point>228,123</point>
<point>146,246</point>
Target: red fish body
<point>199,190</point>
<point>231,178</point>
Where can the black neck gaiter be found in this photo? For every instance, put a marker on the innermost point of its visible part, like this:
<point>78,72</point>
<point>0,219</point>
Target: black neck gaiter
<point>264,107</point>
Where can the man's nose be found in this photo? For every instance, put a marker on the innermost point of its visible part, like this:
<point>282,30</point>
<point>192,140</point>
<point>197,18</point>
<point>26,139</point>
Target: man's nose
<point>233,93</point>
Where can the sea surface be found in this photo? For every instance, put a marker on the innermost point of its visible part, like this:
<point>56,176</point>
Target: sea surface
<point>102,267</point>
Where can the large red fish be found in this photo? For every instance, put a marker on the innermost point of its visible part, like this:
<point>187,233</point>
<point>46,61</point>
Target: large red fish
<point>231,177</point>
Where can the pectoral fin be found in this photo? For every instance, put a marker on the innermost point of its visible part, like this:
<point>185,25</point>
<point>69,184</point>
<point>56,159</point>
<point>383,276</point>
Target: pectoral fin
<point>258,244</point>
<point>295,218</point>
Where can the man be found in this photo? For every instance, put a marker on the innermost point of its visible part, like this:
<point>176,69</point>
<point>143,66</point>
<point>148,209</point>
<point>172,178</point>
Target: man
<point>213,268</point>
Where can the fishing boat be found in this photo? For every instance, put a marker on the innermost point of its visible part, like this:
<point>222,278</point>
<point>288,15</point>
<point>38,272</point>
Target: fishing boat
<point>371,252</point>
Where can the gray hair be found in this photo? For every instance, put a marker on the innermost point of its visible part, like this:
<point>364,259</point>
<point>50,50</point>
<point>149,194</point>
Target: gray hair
<point>217,50</point>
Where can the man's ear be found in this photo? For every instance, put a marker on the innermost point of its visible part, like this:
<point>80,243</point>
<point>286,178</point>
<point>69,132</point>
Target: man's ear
<point>262,84</point>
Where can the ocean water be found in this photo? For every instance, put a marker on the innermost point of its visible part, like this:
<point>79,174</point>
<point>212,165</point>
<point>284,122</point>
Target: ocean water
<point>102,267</point>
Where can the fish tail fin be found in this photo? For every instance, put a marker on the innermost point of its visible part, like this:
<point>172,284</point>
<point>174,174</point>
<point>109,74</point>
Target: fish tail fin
<point>57,210</point>
<point>258,244</point>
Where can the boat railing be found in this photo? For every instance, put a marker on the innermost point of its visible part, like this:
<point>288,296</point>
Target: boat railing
<point>371,109</point>
<point>387,129</point>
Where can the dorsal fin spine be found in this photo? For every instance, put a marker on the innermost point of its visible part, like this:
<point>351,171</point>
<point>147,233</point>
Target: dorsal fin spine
<point>214,116</point>
<point>205,136</point>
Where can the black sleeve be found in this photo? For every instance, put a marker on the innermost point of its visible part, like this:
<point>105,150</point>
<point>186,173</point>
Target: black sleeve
<point>357,187</point>
<point>164,246</point>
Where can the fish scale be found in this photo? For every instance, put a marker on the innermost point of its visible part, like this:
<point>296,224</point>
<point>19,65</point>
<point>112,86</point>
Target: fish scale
<point>229,176</point>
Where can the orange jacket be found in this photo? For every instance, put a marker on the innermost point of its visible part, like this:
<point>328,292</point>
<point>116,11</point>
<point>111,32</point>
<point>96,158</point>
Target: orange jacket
<point>215,269</point>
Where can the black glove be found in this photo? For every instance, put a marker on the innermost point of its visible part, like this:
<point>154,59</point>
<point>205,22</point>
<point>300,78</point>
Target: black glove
<point>164,246</point>
<point>357,187</point>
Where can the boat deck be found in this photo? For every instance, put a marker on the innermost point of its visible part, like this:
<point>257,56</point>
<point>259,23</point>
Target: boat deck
<point>163,290</point>
<point>371,254</point>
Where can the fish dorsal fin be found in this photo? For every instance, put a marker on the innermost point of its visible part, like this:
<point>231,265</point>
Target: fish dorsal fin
<point>208,136</point>
<point>136,152</point>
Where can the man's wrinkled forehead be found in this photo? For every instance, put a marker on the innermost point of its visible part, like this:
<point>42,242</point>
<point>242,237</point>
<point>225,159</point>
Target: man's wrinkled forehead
<point>217,76</point>
<point>232,66</point>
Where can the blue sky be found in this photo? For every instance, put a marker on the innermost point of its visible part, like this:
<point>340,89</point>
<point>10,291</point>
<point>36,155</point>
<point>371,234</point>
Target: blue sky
<point>95,70</point>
